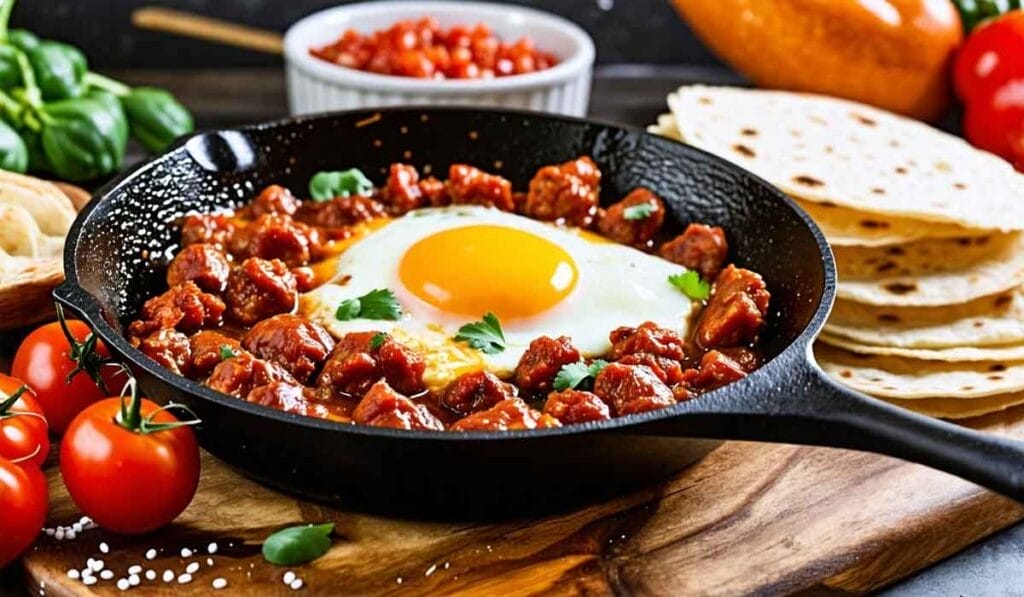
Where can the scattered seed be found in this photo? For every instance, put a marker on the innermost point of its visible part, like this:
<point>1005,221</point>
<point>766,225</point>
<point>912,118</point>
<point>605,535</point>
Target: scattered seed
<point>150,574</point>
<point>134,580</point>
<point>89,581</point>
<point>186,552</point>
<point>122,583</point>
<point>211,548</point>
<point>209,561</point>
<point>135,569</point>
<point>107,574</point>
<point>104,548</point>
<point>73,574</point>
<point>184,579</point>
<point>151,554</point>
<point>220,583</point>
<point>296,584</point>
<point>192,568</point>
<point>289,576</point>
<point>168,575</point>
<point>86,572</point>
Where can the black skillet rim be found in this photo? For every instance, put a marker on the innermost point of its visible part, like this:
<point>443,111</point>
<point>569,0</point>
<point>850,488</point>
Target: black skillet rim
<point>797,350</point>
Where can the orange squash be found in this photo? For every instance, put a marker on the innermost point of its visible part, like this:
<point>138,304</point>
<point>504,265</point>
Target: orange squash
<point>894,54</point>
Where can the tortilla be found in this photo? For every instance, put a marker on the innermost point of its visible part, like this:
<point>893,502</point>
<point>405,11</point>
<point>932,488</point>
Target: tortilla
<point>50,208</point>
<point>835,151</point>
<point>845,227</point>
<point>666,127</point>
<point>988,321</point>
<point>1011,352</point>
<point>959,408</point>
<point>931,272</point>
<point>896,377</point>
<point>19,234</point>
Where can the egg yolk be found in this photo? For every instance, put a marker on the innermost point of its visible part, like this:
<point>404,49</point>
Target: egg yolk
<point>476,269</point>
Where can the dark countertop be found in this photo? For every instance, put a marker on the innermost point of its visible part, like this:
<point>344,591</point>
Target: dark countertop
<point>626,94</point>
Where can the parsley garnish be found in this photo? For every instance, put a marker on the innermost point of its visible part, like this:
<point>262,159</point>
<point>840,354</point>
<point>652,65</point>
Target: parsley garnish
<point>377,340</point>
<point>691,284</point>
<point>485,336</point>
<point>227,351</point>
<point>578,375</point>
<point>641,211</point>
<point>376,304</point>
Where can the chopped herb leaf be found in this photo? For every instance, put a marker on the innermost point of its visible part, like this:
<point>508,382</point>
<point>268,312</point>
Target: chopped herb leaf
<point>325,186</point>
<point>578,375</point>
<point>691,284</point>
<point>226,352</point>
<point>376,304</point>
<point>298,545</point>
<point>377,340</point>
<point>485,336</point>
<point>641,211</point>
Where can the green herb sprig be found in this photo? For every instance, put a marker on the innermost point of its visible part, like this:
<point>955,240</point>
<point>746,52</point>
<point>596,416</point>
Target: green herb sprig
<point>578,375</point>
<point>691,284</point>
<point>484,335</point>
<point>378,304</point>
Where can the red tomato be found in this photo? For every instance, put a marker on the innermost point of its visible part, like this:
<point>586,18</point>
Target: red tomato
<point>23,505</point>
<point>992,55</point>
<point>127,480</point>
<point>43,361</point>
<point>996,122</point>
<point>22,425</point>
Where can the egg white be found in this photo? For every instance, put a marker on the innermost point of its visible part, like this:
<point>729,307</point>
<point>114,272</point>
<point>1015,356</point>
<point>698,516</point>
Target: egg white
<point>616,286</point>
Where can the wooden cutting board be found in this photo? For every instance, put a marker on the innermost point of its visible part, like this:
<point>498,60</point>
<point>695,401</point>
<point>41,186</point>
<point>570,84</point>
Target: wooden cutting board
<point>748,518</point>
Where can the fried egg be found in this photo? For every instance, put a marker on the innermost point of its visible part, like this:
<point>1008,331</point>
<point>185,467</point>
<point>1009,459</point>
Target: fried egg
<point>449,266</point>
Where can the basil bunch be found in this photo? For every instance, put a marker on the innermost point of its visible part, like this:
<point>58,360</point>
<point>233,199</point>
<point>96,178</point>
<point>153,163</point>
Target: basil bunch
<point>71,122</point>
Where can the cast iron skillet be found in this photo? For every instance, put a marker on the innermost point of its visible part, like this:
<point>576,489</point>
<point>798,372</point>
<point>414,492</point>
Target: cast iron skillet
<point>119,247</point>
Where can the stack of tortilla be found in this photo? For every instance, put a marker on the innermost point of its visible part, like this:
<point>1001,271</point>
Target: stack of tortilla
<point>926,231</point>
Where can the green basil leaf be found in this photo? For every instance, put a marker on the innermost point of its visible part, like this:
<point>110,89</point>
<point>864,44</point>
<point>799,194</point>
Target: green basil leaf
<point>298,545</point>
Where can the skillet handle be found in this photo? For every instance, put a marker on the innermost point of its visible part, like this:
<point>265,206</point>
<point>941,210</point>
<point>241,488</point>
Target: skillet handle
<point>796,402</point>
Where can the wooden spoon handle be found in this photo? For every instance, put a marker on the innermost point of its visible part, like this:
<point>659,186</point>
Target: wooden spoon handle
<point>196,26</point>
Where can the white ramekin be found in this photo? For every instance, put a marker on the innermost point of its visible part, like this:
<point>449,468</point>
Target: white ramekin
<point>317,86</point>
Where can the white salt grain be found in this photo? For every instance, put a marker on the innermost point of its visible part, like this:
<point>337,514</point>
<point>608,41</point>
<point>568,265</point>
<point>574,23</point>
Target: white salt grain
<point>211,548</point>
<point>89,581</point>
<point>186,552</point>
<point>289,576</point>
<point>73,574</point>
<point>209,561</point>
<point>168,575</point>
<point>151,554</point>
<point>107,574</point>
<point>134,580</point>
<point>184,579</point>
<point>150,574</point>
<point>135,569</point>
<point>220,583</point>
<point>122,583</point>
<point>104,548</point>
<point>296,584</point>
<point>192,568</point>
<point>96,565</point>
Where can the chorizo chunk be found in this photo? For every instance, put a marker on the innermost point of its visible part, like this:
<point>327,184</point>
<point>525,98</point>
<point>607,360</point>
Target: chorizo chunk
<point>647,337</point>
<point>572,406</point>
<point>384,407</point>
<point>201,263</point>
<point>274,199</point>
<point>635,220</point>
<point>169,348</point>
<point>295,343</point>
<point>354,365</point>
<point>469,185</point>
<point>208,349</point>
<point>289,397</point>
<point>567,192</point>
<point>402,190</point>
<point>184,307</point>
<point>736,310</point>
<point>213,229</point>
<point>258,289</point>
<point>473,392</point>
<point>541,361</point>
<point>434,192</point>
<point>238,375</point>
<point>699,247</point>
<point>340,211</point>
<point>273,236</point>
<point>629,389</point>
<point>716,370</point>
<point>506,415</point>
<point>668,370</point>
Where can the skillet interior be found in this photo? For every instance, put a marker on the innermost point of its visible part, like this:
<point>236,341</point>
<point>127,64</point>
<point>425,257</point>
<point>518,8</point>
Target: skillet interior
<point>118,250</point>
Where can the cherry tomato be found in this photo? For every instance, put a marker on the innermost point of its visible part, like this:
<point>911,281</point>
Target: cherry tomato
<point>991,56</point>
<point>23,432</point>
<point>23,505</point>
<point>996,122</point>
<point>128,479</point>
<point>44,361</point>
